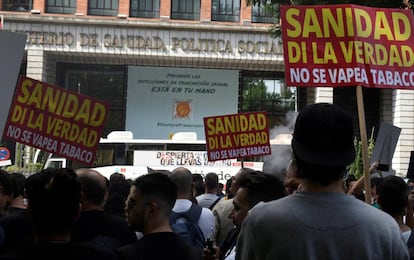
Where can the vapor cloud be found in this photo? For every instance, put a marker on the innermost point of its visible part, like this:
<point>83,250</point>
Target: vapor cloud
<point>277,162</point>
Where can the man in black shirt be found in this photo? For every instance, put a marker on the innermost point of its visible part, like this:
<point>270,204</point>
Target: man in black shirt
<point>94,225</point>
<point>53,205</point>
<point>149,205</point>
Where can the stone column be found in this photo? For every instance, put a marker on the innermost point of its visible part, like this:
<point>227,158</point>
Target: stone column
<point>35,64</point>
<point>324,95</point>
<point>403,117</point>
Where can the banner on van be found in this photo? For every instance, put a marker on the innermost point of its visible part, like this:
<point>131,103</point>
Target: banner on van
<point>56,120</point>
<point>237,136</point>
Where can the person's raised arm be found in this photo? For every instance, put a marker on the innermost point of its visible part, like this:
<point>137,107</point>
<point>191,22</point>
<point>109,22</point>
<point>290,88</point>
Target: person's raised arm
<point>358,185</point>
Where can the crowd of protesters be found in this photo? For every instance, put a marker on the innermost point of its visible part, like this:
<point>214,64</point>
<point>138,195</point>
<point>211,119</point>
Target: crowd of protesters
<point>310,214</point>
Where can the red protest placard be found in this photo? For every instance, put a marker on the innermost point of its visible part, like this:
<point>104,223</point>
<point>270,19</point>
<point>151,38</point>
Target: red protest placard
<point>348,45</point>
<point>56,120</point>
<point>237,135</point>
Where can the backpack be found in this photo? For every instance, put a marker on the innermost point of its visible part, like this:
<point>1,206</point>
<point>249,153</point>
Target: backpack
<point>410,241</point>
<point>410,244</point>
<point>185,225</point>
<point>214,203</point>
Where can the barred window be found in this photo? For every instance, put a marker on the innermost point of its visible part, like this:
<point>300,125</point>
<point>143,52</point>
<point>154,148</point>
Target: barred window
<point>61,6</point>
<point>267,94</point>
<point>185,9</point>
<point>264,12</point>
<point>17,5</point>
<point>105,82</point>
<point>103,7</point>
<point>225,10</point>
<point>145,8</point>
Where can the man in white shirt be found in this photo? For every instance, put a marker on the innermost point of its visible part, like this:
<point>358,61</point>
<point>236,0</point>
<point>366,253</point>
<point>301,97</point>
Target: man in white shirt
<point>183,178</point>
<point>209,198</point>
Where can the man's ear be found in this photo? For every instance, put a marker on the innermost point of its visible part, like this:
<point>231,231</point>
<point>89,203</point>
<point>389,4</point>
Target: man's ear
<point>152,209</point>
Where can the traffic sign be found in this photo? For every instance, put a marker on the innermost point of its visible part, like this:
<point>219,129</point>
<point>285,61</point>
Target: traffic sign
<point>4,153</point>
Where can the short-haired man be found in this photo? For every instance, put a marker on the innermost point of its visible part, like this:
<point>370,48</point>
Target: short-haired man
<point>6,196</point>
<point>320,221</point>
<point>182,177</point>
<point>53,205</point>
<point>148,208</point>
<point>253,188</point>
<point>6,190</point>
<point>393,198</point>
<point>224,225</point>
<point>209,198</point>
<point>15,222</point>
<point>94,225</point>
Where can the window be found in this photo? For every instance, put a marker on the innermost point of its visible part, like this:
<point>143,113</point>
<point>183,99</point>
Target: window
<point>103,7</point>
<point>17,5</point>
<point>185,9</point>
<point>261,93</point>
<point>264,12</point>
<point>105,82</point>
<point>61,6</point>
<point>145,8</point>
<point>225,10</point>
<point>267,91</point>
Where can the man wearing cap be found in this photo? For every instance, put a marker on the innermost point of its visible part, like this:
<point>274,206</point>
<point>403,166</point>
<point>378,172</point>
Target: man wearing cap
<point>320,221</point>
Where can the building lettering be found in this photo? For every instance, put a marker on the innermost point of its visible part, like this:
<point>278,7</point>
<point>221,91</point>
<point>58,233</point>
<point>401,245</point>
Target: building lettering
<point>201,45</point>
<point>133,42</point>
<point>139,42</point>
<point>88,39</point>
<point>49,38</point>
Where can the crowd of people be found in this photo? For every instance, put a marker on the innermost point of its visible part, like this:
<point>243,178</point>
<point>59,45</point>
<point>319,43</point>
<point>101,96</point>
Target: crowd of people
<point>315,212</point>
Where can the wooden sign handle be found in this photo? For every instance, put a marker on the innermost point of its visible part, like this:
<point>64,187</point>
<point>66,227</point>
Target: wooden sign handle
<point>364,143</point>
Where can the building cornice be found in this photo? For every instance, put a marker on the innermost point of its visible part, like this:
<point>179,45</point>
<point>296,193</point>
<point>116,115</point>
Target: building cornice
<point>133,22</point>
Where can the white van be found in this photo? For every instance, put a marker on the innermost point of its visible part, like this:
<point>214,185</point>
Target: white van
<point>120,152</point>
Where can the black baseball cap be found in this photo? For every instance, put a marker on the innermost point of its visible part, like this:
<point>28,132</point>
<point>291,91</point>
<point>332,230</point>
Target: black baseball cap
<point>324,135</point>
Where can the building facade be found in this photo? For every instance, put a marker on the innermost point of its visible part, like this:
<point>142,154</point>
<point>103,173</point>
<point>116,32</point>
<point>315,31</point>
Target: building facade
<point>92,47</point>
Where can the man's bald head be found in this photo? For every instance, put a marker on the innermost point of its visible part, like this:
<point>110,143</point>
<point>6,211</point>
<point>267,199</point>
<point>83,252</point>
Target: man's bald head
<point>183,178</point>
<point>94,188</point>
